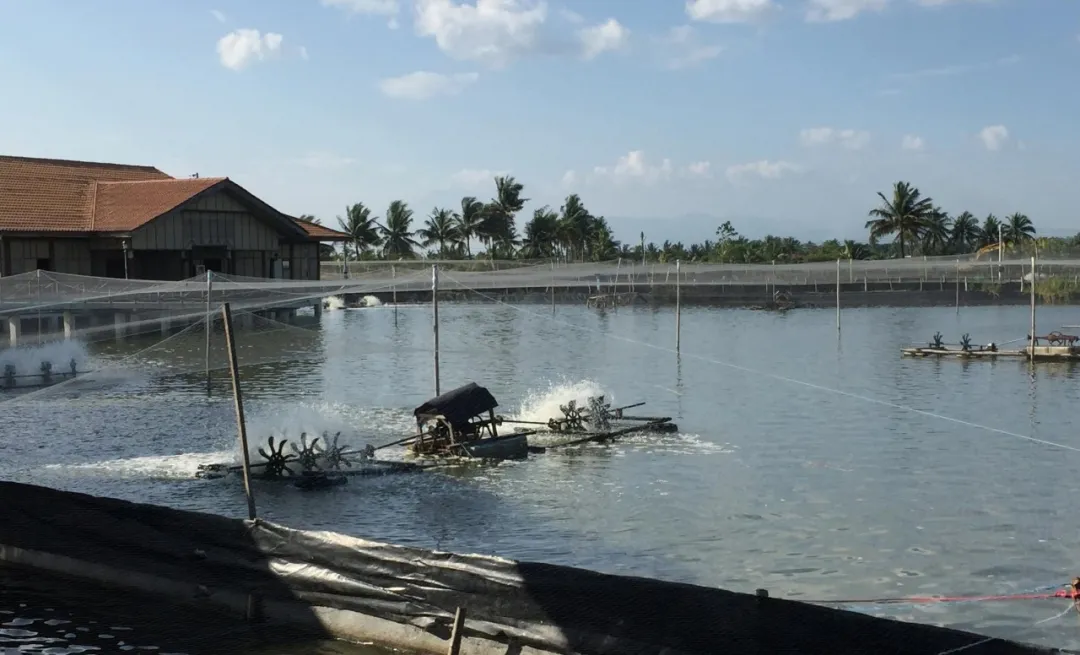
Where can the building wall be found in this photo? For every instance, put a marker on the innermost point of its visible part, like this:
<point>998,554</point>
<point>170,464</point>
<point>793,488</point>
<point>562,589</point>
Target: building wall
<point>213,220</point>
<point>62,255</point>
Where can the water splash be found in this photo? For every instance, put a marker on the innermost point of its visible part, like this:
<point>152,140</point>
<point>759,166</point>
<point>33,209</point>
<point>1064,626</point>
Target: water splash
<point>335,302</point>
<point>158,467</point>
<point>543,404</point>
<point>27,360</point>
<point>371,301</point>
<point>358,426</point>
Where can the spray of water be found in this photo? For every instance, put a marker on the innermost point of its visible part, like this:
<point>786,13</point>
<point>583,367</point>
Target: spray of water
<point>27,359</point>
<point>371,301</point>
<point>156,467</point>
<point>335,302</point>
<point>543,404</point>
<point>358,427</point>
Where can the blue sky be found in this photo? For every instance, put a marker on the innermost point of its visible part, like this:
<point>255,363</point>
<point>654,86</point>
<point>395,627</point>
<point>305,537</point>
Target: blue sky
<point>784,116</point>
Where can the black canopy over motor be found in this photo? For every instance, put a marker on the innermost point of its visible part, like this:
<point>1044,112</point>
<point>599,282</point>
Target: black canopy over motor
<point>458,405</point>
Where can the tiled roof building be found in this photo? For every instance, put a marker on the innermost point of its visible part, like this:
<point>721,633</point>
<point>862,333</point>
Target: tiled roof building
<point>86,218</point>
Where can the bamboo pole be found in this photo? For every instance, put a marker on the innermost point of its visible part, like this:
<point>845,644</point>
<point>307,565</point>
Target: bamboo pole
<point>838,296</point>
<point>393,276</point>
<point>209,324</point>
<point>957,285</point>
<point>1032,352</point>
<point>457,633</point>
<point>238,400</point>
<point>435,319</point>
<point>678,304</point>
<point>553,287</point>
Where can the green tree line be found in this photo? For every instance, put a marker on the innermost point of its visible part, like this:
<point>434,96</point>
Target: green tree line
<point>905,223</point>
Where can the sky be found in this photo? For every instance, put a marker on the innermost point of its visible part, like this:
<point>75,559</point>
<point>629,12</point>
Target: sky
<point>666,116</point>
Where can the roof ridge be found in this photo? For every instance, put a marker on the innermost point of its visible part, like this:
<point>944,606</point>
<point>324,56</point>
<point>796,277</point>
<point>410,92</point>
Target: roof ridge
<point>82,162</point>
<point>171,179</point>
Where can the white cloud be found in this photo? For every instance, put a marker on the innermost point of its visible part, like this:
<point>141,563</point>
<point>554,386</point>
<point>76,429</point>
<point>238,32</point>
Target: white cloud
<point>472,178</point>
<point>680,48</point>
<point>422,85</point>
<point>765,169</point>
<point>994,136</point>
<point>848,138</point>
<point>374,7</point>
<point>494,32</point>
<point>570,178</point>
<point>824,11</point>
<point>912,142</point>
<point>571,16</point>
<point>729,11</point>
<point>218,16</point>
<point>634,166</point>
<point>323,160</point>
<point>605,37</point>
<point>942,3</point>
<point>701,169</point>
<point>303,52</point>
<point>240,48</point>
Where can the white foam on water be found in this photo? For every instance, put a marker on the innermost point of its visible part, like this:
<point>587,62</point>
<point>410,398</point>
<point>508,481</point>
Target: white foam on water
<point>371,301</point>
<point>543,404</point>
<point>335,302</point>
<point>170,467</point>
<point>27,359</point>
<point>358,426</point>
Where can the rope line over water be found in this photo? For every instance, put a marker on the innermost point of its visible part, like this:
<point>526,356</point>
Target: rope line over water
<point>781,378</point>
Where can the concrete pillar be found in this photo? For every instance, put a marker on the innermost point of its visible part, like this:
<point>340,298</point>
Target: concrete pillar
<point>14,329</point>
<point>120,325</point>
<point>318,309</point>
<point>69,324</point>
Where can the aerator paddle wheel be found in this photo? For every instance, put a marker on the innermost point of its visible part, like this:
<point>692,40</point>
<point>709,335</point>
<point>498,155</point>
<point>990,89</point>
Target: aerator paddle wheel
<point>277,462</point>
<point>600,413</point>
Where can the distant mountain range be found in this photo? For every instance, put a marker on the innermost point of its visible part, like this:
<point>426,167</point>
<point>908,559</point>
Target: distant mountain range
<point>695,228</point>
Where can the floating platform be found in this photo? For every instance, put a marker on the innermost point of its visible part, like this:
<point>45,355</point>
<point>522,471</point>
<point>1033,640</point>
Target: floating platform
<point>1041,353</point>
<point>335,585</point>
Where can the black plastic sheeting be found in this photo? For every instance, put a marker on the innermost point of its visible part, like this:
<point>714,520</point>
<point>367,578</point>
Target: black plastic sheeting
<point>555,607</point>
<point>459,405</point>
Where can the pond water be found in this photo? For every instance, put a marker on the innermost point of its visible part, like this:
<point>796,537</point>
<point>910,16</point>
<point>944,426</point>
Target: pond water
<point>814,465</point>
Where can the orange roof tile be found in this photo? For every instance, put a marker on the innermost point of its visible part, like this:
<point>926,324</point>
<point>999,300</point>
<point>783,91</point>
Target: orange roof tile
<point>125,206</point>
<point>321,232</point>
<point>55,195</point>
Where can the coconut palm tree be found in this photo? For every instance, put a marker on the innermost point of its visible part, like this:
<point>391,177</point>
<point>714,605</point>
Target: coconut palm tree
<point>398,241</point>
<point>575,222</point>
<point>469,221</point>
<point>905,215</point>
<point>937,232</point>
<point>991,229</point>
<point>965,232</point>
<point>541,234</point>
<point>1018,228</point>
<point>498,215</point>
<point>362,227</point>
<point>439,228</point>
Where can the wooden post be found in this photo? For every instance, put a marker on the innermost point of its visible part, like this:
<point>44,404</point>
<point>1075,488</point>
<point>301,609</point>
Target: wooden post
<point>552,287</point>
<point>238,400</point>
<point>459,629</point>
<point>435,318</point>
<point>209,324</point>
<point>393,275</point>
<point>1032,352</point>
<point>678,305</point>
<point>838,296</point>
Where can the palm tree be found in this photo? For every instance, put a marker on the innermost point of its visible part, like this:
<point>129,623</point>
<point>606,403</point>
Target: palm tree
<point>904,215</point>
<point>991,231</point>
<point>397,234</point>
<point>574,224</point>
<point>362,227</point>
<point>936,232</point>
<point>1018,229</point>
<point>541,234</point>
<point>965,232</point>
<point>498,215</point>
<point>439,228</point>
<point>469,221</point>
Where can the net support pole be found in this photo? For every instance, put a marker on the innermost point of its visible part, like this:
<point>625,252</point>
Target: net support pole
<point>552,287</point>
<point>957,286</point>
<point>435,319</point>
<point>238,401</point>
<point>393,276</point>
<point>209,324</point>
<point>838,296</point>
<point>678,305</point>
<point>1032,336</point>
